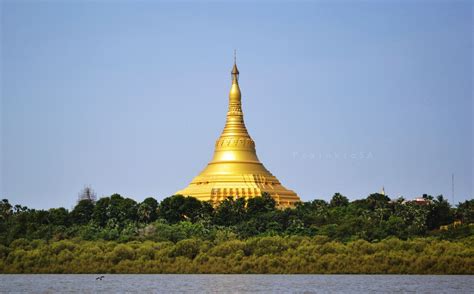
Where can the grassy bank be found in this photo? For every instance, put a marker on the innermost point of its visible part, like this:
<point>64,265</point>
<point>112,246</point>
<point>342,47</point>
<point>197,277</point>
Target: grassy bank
<point>275,254</point>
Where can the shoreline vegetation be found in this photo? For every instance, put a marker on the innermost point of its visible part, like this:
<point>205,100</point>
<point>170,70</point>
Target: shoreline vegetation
<point>258,255</point>
<point>375,235</point>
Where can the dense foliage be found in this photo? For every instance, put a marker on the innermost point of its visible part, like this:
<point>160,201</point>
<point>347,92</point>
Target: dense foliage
<point>182,234</point>
<point>123,219</point>
<point>226,254</point>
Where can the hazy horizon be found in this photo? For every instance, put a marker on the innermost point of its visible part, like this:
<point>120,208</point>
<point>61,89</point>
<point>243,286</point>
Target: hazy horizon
<point>129,97</point>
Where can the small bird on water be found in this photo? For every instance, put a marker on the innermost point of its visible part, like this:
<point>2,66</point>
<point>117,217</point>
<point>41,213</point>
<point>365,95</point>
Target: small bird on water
<point>100,278</point>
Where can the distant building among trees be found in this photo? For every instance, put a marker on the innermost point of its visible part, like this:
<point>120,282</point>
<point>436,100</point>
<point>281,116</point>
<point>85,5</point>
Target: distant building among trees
<point>423,200</point>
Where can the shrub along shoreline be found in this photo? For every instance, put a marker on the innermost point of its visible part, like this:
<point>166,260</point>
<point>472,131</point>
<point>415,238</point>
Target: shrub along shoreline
<point>257,255</point>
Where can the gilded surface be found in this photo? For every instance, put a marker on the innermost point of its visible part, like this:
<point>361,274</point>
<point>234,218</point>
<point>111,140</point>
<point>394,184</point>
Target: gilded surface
<point>235,169</point>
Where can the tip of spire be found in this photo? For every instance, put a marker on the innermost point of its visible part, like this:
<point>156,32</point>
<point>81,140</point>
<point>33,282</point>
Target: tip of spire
<point>234,69</point>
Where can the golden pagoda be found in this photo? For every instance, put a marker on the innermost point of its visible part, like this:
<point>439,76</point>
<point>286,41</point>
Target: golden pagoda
<point>235,169</point>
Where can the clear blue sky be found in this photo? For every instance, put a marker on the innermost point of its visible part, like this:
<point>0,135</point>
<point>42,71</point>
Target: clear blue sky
<point>129,97</point>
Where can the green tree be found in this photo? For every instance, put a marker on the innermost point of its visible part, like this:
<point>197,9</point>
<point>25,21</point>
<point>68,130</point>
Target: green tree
<point>147,210</point>
<point>230,211</point>
<point>262,204</point>
<point>100,214</point>
<point>82,212</point>
<point>440,213</point>
<point>5,210</point>
<point>377,200</point>
<point>465,211</point>
<point>180,208</point>
<point>122,209</point>
<point>339,200</point>
<point>58,216</point>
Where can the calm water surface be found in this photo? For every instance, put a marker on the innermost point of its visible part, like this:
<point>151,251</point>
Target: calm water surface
<point>236,283</point>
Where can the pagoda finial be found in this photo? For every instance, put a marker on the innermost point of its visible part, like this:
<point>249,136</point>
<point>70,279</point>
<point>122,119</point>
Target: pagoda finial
<point>235,71</point>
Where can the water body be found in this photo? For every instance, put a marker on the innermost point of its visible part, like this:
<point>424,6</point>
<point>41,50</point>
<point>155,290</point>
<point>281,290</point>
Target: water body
<point>236,283</point>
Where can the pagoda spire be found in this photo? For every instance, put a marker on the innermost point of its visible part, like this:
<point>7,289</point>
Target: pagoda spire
<point>235,125</point>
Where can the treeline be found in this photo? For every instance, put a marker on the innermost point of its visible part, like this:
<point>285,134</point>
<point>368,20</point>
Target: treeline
<point>228,254</point>
<point>176,218</point>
